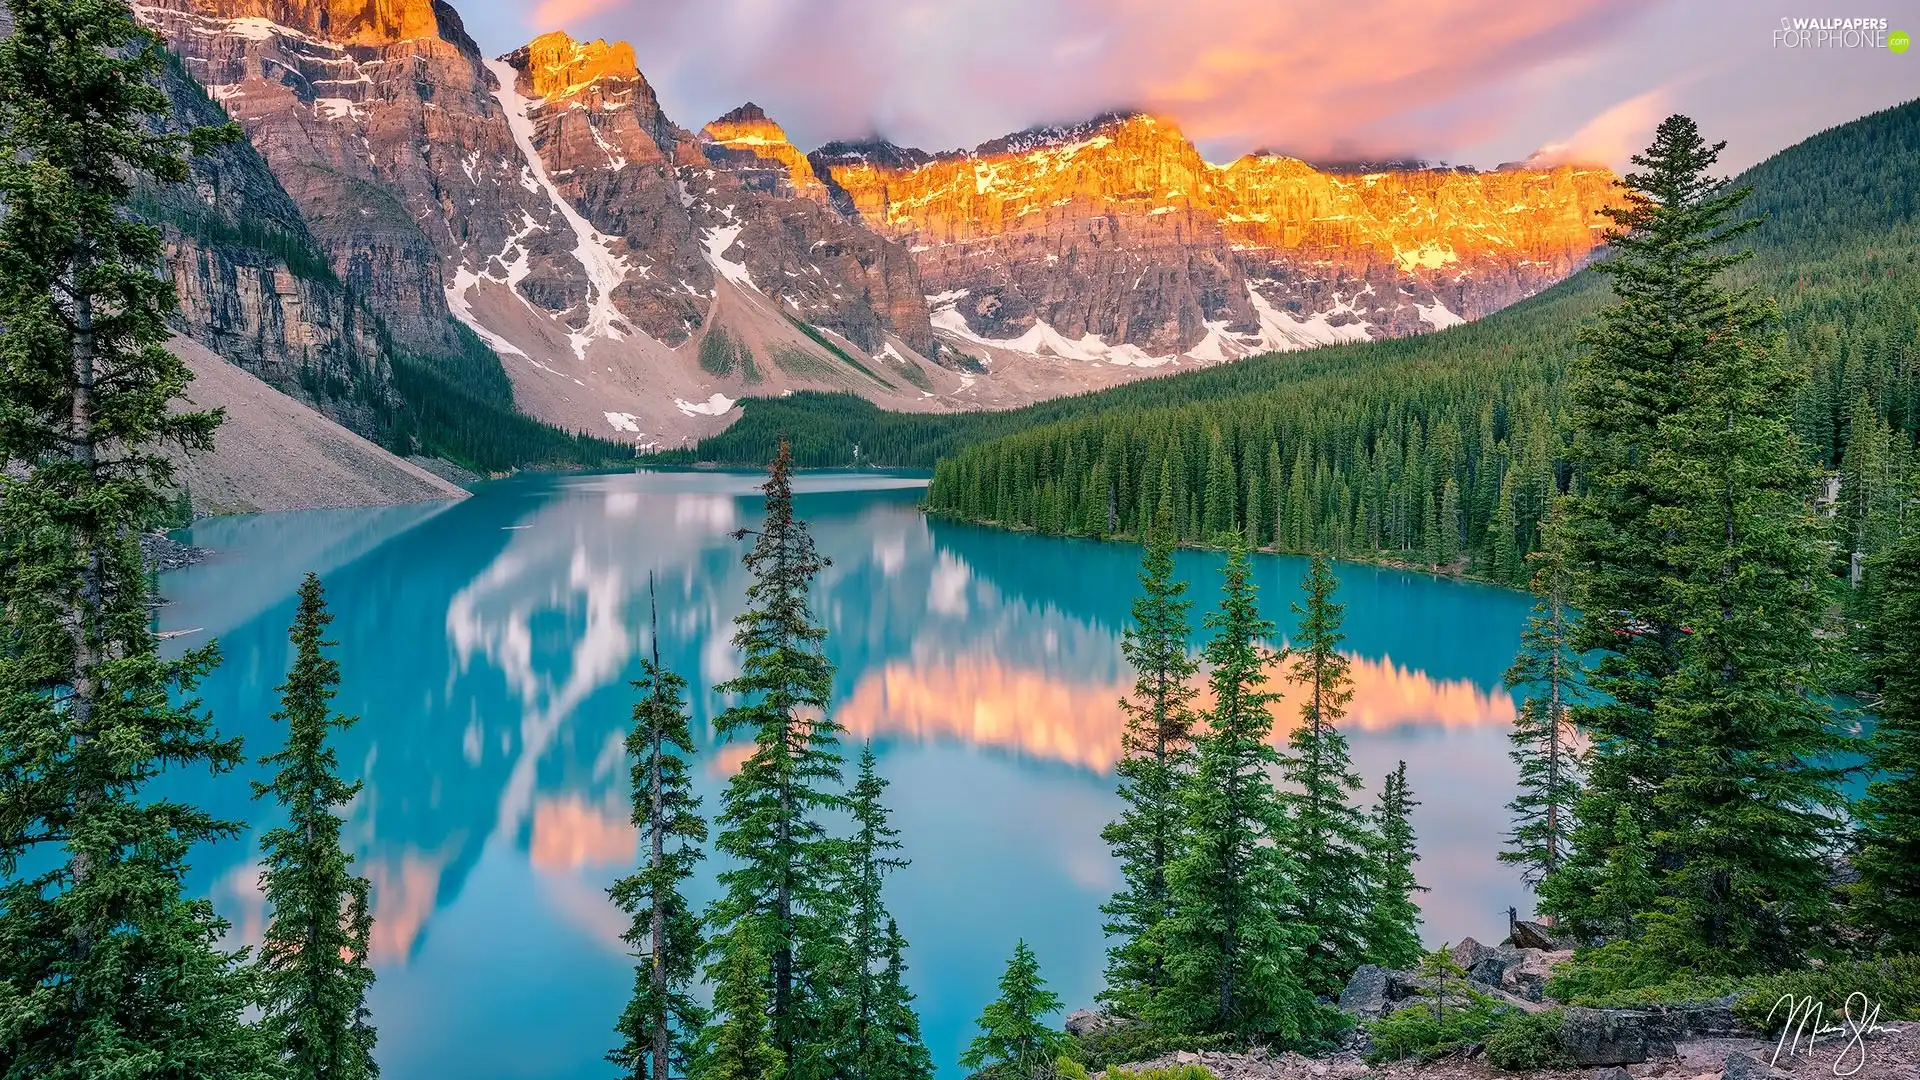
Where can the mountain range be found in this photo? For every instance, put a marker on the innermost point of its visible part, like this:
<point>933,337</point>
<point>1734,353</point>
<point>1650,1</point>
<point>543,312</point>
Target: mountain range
<point>408,209</point>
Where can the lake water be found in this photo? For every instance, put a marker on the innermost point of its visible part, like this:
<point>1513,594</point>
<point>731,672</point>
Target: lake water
<point>487,645</point>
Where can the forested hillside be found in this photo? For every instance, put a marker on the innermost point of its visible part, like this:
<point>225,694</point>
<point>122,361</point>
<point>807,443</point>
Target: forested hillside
<point>1443,450</point>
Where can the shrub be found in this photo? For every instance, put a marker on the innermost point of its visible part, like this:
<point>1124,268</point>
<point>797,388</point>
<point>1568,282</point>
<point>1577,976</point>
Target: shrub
<point>1176,1072</point>
<point>1125,1043</point>
<point>1521,1041</point>
<point>1622,974</point>
<point>1893,983</point>
<point>1427,1033</point>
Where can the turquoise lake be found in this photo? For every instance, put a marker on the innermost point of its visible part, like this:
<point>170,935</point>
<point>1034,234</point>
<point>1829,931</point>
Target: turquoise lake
<point>486,646</point>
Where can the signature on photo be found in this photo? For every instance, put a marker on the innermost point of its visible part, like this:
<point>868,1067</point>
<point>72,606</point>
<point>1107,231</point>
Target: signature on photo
<point>1805,1026</point>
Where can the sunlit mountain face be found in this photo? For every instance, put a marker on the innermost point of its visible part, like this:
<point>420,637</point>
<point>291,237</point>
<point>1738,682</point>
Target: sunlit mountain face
<point>488,649</point>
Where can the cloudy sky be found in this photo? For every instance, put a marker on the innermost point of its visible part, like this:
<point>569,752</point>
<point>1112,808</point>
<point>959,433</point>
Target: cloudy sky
<point>1475,82</point>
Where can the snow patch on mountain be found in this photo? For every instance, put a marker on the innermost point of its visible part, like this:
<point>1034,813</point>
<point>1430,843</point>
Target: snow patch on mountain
<point>605,270</point>
<point>717,405</point>
<point>717,241</point>
<point>1437,316</point>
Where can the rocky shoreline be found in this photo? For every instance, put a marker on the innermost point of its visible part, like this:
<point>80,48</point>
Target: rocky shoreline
<point>163,553</point>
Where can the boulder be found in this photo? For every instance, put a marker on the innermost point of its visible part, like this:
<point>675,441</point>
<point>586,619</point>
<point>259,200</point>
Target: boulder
<point>1748,1067</point>
<point>1533,935</point>
<point>1469,954</point>
<point>1631,1036</point>
<point>1083,1022</point>
<point>1612,1037</point>
<point>1366,994</point>
<point>1526,976</point>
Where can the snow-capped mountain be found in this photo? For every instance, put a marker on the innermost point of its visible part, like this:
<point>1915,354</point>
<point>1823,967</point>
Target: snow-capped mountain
<point>636,278</point>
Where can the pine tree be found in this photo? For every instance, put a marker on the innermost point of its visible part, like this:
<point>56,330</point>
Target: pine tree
<point>1232,959</point>
<point>660,1027</point>
<point>1887,900</point>
<point>1698,565</point>
<point>1547,671</point>
<point>787,867</point>
<point>1327,836</point>
<point>1392,924</point>
<point>1013,1043</point>
<point>883,1040</point>
<point>1156,759</point>
<point>313,961</point>
<point>107,966</point>
<point>896,1051</point>
<point>737,1045</point>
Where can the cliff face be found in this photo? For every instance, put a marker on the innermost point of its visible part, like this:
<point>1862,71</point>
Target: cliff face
<point>1119,229</point>
<point>252,282</point>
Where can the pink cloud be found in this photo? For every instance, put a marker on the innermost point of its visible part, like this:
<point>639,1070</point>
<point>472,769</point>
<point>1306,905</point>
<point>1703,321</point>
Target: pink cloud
<point>1314,79</point>
<point>1611,137</point>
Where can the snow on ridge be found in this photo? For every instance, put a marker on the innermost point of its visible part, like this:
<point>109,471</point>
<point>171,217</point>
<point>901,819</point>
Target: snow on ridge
<point>717,241</point>
<point>1437,315</point>
<point>717,405</point>
<point>464,279</point>
<point>1041,339</point>
<point>621,421</point>
<point>605,270</point>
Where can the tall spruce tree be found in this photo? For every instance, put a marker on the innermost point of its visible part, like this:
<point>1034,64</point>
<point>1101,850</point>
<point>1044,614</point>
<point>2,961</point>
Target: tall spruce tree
<point>107,966</point>
<point>1887,898</point>
<point>660,1027</point>
<point>884,1042</point>
<point>1547,671</point>
<point>1014,1043</point>
<point>738,1044</point>
<point>1392,924</point>
<point>313,960</point>
<point>1156,759</point>
<point>895,1048</point>
<point>1699,572</point>
<point>787,868</point>
<point>1232,958</point>
<point>1327,836</point>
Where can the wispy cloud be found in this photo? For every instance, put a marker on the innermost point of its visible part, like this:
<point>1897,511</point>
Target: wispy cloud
<point>1314,79</point>
<point>1611,137</point>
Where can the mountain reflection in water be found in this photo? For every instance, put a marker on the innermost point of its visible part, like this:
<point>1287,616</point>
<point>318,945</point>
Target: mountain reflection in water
<point>487,647</point>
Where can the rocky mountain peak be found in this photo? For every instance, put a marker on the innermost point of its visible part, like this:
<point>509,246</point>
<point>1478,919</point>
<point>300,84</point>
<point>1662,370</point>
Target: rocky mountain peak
<point>558,66</point>
<point>748,130</point>
<point>347,22</point>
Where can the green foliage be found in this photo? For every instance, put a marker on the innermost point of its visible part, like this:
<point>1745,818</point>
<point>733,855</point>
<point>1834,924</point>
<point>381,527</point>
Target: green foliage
<point>813,334</point>
<point>1545,752</point>
<point>1391,928</point>
<point>1523,1042</point>
<point>1699,571</point>
<point>737,1045</point>
<point>108,966</point>
<point>1425,1035</point>
<point>1171,1072</point>
<point>461,408</point>
<point>661,1024</point>
<point>1886,901</point>
<point>1232,957</point>
<point>1326,839</point>
<point>723,354</point>
<point>882,1028</point>
<point>1890,982</point>
<point>786,868</point>
<point>1155,766</point>
<point>1122,1043</point>
<point>314,974</point>
<point>1013,1043</point>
